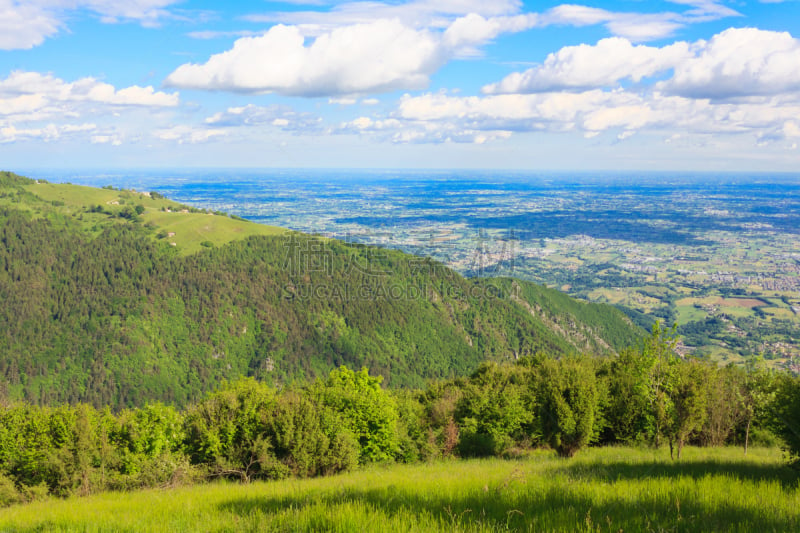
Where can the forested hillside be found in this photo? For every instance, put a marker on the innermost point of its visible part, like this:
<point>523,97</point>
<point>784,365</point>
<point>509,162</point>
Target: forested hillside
<point>136,299</point>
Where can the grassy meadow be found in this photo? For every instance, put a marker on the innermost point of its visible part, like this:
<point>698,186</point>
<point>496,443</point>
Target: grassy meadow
<point>187,230</point>
<point>602,489</point>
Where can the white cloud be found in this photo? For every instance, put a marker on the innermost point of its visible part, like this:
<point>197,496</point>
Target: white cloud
<point>184,134</point>
<point>405,132</point>
<point>255,116</point>
<point>359,48</point>
<point>601,65</point>
<point>739,62</point>
<point>25,24</point>
<point>112,139</point>
<point>473,29</point>
<point>432,14</point>
<point>24,92</point>
<point>432,117</point>
<point>735,63</point>
<point>707,9</point>
<point>211,34</point>
<point>415,14</point>
<point>344,101</point>
<point>379,56</point>
<point>40,106</point>
<point>147,12</point>
<point>48,133</point>
<point>638,27</point>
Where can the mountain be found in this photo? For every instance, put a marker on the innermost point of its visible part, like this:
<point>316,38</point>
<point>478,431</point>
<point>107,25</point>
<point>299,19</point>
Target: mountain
<point>118,297</point>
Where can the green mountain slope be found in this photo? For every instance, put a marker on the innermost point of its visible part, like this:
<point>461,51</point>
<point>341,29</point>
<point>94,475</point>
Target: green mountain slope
<point>116,298</point>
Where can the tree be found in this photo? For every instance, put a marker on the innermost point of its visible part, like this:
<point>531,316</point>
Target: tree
<point>786,414</point>
<point>148,432</point>
<point>308,439</point>
<point>364,408</point>
<point>493,410</point>
<point>228,432</point>
<point>629,398</point>
<point>659,351</point>
<point>567,400</point>
<point>725,405</point>
<point>689,399</point>
<point>639,384</point>
<point>756,395</point>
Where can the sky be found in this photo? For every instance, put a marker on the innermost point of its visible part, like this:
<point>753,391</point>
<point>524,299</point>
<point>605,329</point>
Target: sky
<point>700,85</point>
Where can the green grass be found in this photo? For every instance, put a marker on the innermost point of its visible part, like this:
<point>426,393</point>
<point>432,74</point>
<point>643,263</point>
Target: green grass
<point>689,313</point>
<point>190,229</point>
<point>609,489</point>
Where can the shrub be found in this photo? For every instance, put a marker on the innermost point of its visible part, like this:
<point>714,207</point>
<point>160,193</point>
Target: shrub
<point>787,415</point>
<point>364,408</point>
<point>9,495</point>
<point>227,432</point>
<point>493,410</point>
<point>567,401</point>
<point>307,438</point>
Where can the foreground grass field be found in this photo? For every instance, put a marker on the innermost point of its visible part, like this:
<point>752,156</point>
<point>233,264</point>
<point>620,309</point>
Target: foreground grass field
<point>610,489</point>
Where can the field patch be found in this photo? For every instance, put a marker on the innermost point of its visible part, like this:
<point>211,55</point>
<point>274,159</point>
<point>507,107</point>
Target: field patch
<point>720,301</point>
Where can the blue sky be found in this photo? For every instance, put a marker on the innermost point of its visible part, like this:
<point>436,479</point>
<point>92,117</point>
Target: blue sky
<point>680,85</point>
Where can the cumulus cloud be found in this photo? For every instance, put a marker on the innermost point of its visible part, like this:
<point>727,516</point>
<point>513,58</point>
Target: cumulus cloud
<point>379,56</point>
<point>358,48</point>
<point>25,92</point>
<point>594,112</point>
<point>736,63</point>
<point>466,33</point>
<point>44,107</point>
<point>739,62</point>
<point>601,65</point>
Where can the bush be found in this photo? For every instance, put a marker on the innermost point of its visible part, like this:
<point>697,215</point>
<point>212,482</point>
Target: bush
<point>9,495</point>
<point>787,415</point>
<point>364,408</point>
<point>414,428</point>
<point>568,405</point>
<point>307,438</point>
<point>227,432</point>
<point>493,410</point>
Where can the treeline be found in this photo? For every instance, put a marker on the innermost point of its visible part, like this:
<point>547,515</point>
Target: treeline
<point>248,430</point>
<point>112,316</point>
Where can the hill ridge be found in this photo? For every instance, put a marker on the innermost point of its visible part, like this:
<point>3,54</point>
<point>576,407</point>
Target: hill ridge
<point>102,308</point>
